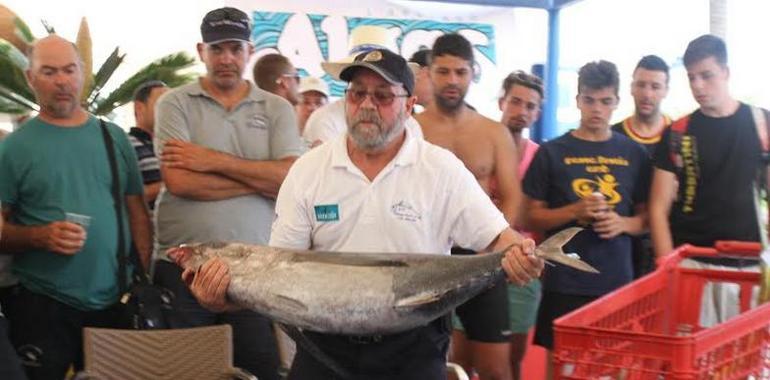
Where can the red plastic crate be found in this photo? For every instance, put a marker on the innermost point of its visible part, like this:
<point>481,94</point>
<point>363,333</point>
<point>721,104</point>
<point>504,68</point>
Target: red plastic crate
<point>648,330</point>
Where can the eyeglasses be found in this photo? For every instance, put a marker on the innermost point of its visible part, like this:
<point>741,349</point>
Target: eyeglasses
<point>228,13</point>
<point>379,97</point>
<point>294,76</point>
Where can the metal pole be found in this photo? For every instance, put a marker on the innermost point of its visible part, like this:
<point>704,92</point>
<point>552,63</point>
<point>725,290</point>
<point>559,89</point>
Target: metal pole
<point>550,127</point>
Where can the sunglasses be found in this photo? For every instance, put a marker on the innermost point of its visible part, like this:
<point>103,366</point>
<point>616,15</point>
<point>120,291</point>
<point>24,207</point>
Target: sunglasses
<point>379,97</point>
<point>227,14</point>
<point>294,76</point>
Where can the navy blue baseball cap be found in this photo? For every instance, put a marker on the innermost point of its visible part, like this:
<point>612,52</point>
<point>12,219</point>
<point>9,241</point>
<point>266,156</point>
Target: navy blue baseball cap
<point>389,65</point>
<point>225,24</point>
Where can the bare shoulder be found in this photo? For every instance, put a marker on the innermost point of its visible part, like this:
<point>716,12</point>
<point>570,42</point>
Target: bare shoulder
<point>491,128</point>
<point>434,129</point>
<point>426,119</point>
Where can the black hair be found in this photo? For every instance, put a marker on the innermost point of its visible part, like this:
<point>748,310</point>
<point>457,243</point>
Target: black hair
<point>705,46</point>
<point>453,44</point>
<point>597,75</point>
<point>523,79</point>
<point>653,63</point>
<point>143,91</point>
<point>421,57</point>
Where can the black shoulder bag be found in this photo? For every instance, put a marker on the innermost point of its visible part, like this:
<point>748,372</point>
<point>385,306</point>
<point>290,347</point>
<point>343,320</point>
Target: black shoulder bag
<point>143,305</point>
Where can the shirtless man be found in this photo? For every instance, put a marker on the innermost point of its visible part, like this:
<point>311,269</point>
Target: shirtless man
<point>487,150</point>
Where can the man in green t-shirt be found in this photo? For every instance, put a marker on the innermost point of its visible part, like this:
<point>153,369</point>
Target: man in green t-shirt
<point>61,225</point>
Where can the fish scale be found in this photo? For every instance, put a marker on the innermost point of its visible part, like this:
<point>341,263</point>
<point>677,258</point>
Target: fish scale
<point>356,293</point>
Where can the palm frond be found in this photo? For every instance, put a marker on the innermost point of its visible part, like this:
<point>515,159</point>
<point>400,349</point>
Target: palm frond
<point>23,31</point>
<point>103,75</point>
<point>177,79</point>
<point>7,106</point>
<point>13,76</point>
<point>84,46</point>
<point>14,54</point>
<point>12,29</point>
<point>13,97</point>
<point>48,28</point>
<point>164,69</point>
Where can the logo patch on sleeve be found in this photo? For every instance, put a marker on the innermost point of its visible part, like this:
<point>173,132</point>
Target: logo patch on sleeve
<point>327,213</point>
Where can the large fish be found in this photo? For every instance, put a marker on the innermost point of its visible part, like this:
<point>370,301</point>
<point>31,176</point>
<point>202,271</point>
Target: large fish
<point>354,293</point>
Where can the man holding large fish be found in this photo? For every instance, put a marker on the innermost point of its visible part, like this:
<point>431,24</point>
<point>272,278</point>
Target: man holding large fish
<point>376,189</point>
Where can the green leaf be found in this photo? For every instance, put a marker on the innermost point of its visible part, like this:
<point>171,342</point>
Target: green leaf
<point>22,31</point>
<point>7,106</point>
<point>105,72</point>
<point>164,69</point>
<point>13,77</point>
<point>10,96</point>
<point>16,56</point>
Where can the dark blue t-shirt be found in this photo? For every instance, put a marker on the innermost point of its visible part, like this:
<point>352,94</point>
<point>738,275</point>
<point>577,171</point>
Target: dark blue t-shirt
<point>567,169</point>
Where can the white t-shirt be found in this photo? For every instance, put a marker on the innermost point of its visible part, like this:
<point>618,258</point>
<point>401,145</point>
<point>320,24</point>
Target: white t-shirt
<point>423,201</point>
<point>328,122</point>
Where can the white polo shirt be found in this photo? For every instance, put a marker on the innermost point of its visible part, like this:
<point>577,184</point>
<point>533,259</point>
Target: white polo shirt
<point>423,201</point>
<point>328,122</point>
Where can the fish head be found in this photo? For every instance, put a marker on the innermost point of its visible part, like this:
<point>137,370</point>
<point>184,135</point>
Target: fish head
<point>180,255</point>
<point>193,255</point>
<point>184,255</point>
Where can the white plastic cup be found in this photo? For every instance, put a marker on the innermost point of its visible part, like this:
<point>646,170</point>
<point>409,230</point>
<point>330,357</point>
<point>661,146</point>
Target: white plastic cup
<point>79,219</point>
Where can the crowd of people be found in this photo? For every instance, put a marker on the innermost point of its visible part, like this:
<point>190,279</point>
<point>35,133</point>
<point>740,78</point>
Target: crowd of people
<point>273,161</point>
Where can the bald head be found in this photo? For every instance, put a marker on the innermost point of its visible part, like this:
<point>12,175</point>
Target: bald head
<point>53,44</point>
<point>55,75</point>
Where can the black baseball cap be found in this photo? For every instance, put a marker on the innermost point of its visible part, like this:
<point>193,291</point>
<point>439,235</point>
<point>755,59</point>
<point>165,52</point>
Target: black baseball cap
<point>391,66</point>
<point>225,24</point>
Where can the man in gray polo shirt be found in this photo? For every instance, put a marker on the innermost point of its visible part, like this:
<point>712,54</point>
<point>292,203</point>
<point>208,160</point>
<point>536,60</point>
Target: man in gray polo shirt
<point>225,148</point>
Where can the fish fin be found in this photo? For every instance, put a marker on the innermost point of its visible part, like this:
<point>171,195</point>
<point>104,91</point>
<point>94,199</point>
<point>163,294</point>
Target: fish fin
<point>417,300</point>
<point>556,254</point>
<point>349,260</point>
<point>551,249</point>
<point>305,342</point>
<point>560,238</point>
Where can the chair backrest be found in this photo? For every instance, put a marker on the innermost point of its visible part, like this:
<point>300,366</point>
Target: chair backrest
<point>194,353</point>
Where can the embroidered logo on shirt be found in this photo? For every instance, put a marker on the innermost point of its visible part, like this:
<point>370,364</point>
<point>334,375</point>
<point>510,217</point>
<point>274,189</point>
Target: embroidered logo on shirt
<point>257,121</point>
<point>606,185</point>
<point>327,213</point>
<point>404,211</point>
